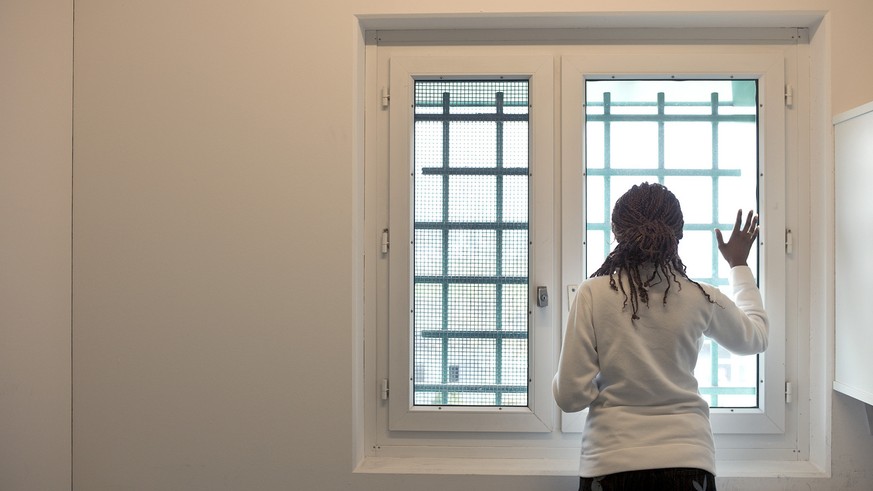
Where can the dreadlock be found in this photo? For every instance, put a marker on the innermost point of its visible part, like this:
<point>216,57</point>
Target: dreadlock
<point>647,223</point>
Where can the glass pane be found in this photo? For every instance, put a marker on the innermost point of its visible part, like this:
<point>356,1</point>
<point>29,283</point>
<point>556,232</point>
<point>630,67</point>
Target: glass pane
<point>467,151</point>
<point>698,138</point>
<point>644,151</point>
<point>471,248</point>
<point>688,145</point>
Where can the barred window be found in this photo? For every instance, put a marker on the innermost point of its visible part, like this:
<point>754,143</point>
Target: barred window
<point>470,299</point>
<point>489,196</point>
<point>700,139</point>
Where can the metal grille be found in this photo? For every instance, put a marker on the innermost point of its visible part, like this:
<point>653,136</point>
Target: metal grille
<point>699,138</point>
<point>470,288</point>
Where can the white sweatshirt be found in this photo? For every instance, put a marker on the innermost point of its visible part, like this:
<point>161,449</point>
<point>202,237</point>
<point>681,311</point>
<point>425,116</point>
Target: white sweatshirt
<point>637,378</point>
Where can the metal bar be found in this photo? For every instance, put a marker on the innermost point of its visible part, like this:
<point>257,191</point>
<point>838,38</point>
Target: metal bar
<point>714,149</point>
<point>713,373</point>
<point>661,144</point>
<point>672,118</point>
<point>715,179</point>
<point>642,171</point>
<point>607,168</point>
<point>471,117</point>
<point>468,334</point>
<point>654,104</point>
<point>471,225</point>
<point>688,226</point>
<point>444,357</point>
<point>475,171</point>
<point>498,307</point>
<point>728,391</point>
<point>470,388</point>
<point>472,280</point>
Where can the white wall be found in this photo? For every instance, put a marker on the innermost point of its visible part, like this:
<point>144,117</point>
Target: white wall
<point>35,195</point>
<point>213,245</point>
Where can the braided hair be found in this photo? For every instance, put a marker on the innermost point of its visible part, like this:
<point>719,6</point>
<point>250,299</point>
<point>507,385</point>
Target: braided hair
<point>647,223</point>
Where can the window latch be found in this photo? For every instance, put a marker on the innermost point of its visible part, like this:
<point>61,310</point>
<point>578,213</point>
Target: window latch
<point>542,296</point>
<point>385,242</point>
<point>789,242</point>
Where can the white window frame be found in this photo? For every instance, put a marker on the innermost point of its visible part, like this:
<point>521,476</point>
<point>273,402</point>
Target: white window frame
<point>383,450</point>
<point>765,65</point>
<point>403,415</point>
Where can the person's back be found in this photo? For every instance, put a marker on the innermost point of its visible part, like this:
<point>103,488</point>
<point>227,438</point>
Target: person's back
<point>632,342</point>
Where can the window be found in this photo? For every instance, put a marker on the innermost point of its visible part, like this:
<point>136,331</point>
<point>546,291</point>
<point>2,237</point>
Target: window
<point>470,252</point>
<point>709,188</point>
<point>700,139</point>
<point>493,180</point>
<point>468,244</point>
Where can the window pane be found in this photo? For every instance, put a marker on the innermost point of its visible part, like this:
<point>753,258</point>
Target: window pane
<point>471,247</point>
<point>642,154</point>
<point>698,138</point>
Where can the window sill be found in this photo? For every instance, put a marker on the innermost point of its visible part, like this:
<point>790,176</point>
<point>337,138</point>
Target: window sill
<point>467,466</point>
<point>565,467</point>
<point>770,468</point>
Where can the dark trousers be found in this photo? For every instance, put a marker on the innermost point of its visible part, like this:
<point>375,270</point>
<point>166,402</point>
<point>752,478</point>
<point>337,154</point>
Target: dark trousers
<point>674,479</point>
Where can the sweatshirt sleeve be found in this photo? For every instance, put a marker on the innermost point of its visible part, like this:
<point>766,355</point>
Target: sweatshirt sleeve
<point>574,387</point>
<point>742,328</point>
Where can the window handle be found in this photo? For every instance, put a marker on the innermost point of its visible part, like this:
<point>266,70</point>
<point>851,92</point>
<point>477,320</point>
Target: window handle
<point>542,296</point>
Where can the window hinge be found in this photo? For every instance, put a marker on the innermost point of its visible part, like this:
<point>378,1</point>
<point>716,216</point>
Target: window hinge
<point>385,241</point>
<point>789,241</point>
<point>789,393</point>
<point>384,389</point>
<point>386,97</point>
<point>789,95</point>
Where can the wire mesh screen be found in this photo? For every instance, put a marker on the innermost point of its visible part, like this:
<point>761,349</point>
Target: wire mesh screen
<point>470,259</point>
<point>700,139</point>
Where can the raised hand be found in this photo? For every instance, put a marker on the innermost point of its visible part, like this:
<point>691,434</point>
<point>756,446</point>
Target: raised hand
<point>736,249</point>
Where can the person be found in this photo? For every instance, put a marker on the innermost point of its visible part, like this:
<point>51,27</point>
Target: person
<point>634,332</point>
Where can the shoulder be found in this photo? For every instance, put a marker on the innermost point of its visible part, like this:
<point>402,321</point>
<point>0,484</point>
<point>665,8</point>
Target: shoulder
<point>708,288</point>
<point>715,293</point>
<point>595,285</point>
